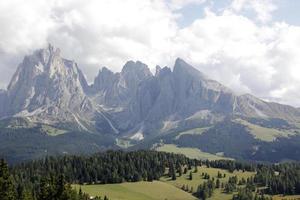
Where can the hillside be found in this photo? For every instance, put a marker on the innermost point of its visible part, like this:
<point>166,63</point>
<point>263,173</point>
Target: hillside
<point>155,190</point>
<point>149,175</point>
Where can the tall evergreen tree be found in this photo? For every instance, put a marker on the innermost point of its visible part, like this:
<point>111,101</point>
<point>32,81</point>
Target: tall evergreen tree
<point>191,176</point>
<point>7,189</point>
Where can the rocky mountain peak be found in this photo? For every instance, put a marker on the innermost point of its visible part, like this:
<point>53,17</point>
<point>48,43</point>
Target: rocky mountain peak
<point>104,80</point>
<point>43,62</point>
<point>45,82</point>
<point>44,56</point>
<point>117,89</point>
<point>47,87</point>
<point>132,74</point>
<point>157,70</point>
<point>164,72</point>
<point>182,68</point>
<point>105,70</point>
<point>136,68</point>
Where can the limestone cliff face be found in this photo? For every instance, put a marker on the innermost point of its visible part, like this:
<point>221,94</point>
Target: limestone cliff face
<point>117,89</point>
<point>45,79</point>
<point>3,103</point>
<point>47,88</point>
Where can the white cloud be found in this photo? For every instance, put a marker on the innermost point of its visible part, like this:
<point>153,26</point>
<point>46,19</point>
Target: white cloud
<point>250,58</point>
<point>94,33</point>
<point>259,58</point>
<point>178,4</point>
<point>24,25</point>
<point>262,8</point>
<point>110,32</point>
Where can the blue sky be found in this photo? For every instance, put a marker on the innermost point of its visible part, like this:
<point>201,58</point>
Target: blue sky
<point>194,11</point>
<point>251,46</point>
<point>287,11</point>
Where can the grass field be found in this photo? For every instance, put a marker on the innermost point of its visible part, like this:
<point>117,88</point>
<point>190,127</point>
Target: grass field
<point>123,143</point>
<point>155,190</point>
<point>280,197</point>
<point>196,131</point>
<point>265,134</point>
<point>165,189</point>
<point>52,131</point>
<point>198,179</point>
<point>189,152</point>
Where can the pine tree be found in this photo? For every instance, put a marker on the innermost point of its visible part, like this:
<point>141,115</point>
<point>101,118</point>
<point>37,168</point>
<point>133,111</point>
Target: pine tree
<point>60,186</point>
<point>192,190</point>
<point>218,184</point>
<point>80,193</point>
<point>7,190</point>
<point>44,192</point>
<point>196,169</point>
<point>185,170</point>
<point>180,171</point>
<point>219,175</point>
<point>191,176</point>
<point>173,176</point>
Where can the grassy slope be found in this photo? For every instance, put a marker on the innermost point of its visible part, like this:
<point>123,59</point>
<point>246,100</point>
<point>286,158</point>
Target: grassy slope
<point>155,190</point>
<point>52,131</point>
<point>196,131</point>
<point>167,189</point>
<point>164,189</point>
<point>280,197</point>
<point>198,179</point>
<point>189,152</point>
<point>265,134</point>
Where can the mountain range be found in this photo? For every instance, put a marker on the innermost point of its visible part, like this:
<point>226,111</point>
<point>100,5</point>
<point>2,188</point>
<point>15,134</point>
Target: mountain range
<point>49,108</point>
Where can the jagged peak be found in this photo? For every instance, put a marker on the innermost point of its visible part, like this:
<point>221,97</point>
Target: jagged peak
<point>133,67</point>
<point>104,71</point>
<point>45,61</point>
<point>52,49</point>
<point>47,53</point>
<point>183,67</point>
<point>179,60</point>
<point>164,71</point>
<point>157,70</point>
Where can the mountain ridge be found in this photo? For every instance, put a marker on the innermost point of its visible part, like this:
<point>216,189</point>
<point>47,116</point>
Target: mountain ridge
<point>184,89</point>
<point>137,106</point>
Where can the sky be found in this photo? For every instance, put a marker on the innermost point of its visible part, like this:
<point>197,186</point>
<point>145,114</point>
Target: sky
<point>251,46</point>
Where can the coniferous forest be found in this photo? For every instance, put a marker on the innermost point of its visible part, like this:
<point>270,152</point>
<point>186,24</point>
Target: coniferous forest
<point>51,178</point>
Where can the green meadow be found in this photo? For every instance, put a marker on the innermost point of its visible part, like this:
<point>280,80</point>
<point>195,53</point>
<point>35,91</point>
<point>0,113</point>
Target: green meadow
<point>155,190</point>
<point>165,189</point>
<point>193,153</point>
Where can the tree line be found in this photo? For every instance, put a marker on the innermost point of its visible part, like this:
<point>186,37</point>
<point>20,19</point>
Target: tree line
<point>53,187</point>
<point>280,178</point>
<point>50,178</point>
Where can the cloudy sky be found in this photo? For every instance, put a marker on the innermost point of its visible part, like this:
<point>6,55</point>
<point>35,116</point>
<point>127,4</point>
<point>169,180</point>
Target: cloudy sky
<point>251,46</point>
